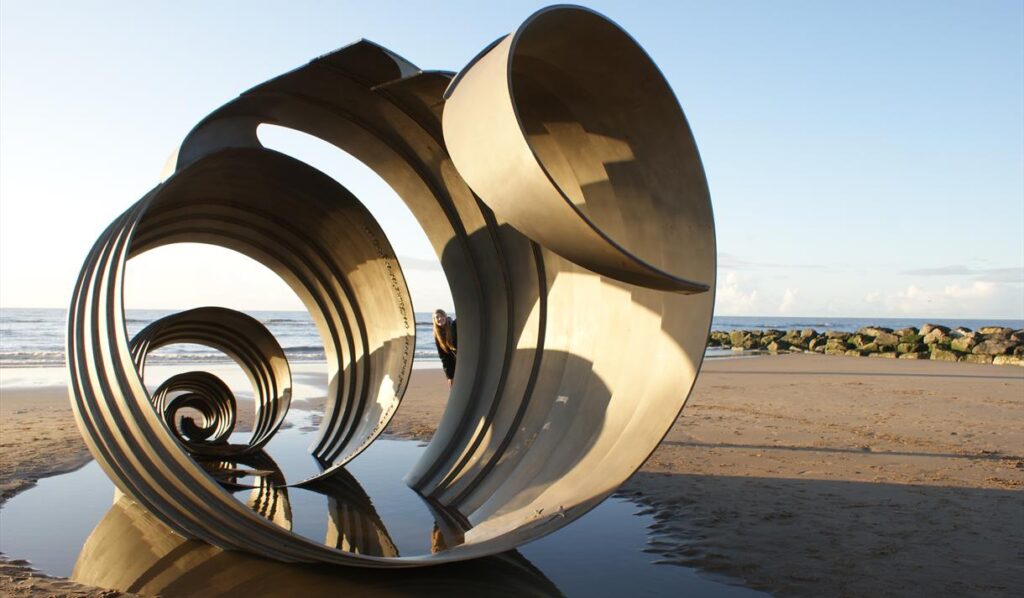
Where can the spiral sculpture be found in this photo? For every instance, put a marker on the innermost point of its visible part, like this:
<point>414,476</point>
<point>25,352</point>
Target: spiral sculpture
<point>255,350</point>
<point>561,188</point>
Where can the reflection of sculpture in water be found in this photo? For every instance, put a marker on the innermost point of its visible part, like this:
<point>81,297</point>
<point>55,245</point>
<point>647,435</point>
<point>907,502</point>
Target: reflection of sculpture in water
<point>269,489</point>
<point>450,527</point>
<point>132,551</point>
<point>559,185</point>
<point>353,524</point>
<point>446,339</point>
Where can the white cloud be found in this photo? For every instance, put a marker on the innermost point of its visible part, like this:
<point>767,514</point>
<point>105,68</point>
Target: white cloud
<point>970,300</point>
<point>1011,274</point>
<point>788,298</point>
<point>731,296</point>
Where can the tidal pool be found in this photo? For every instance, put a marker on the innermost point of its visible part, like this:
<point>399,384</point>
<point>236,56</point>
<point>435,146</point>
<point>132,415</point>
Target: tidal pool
<point>69,525</point>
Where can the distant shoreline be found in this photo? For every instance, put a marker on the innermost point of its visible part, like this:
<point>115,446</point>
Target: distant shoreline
<point>996,345</point>
<point>35,338</point>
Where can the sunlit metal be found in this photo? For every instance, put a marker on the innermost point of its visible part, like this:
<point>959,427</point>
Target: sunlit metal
<point>560,186</point>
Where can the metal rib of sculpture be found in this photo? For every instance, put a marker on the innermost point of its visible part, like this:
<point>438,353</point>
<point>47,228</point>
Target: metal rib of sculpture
<point>560,186</point>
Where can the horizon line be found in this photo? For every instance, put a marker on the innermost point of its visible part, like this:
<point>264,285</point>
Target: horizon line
<point>776,316</point>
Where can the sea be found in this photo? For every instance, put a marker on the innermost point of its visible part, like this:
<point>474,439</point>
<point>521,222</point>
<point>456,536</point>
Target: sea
<point>35,337</point>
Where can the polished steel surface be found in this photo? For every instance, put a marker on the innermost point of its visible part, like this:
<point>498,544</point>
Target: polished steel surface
<point>560,186</point>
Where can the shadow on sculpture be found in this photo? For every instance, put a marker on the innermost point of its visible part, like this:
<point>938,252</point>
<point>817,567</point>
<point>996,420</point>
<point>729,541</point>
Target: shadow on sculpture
<point>559,184</point>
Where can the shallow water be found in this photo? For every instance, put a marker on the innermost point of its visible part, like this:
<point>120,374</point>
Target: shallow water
<point>600,554</point>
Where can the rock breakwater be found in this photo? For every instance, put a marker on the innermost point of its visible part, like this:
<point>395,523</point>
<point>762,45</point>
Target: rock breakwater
<point>990,344</point>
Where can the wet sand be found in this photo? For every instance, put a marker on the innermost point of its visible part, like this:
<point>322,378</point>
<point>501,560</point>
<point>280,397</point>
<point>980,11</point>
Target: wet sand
<point>799,474</point>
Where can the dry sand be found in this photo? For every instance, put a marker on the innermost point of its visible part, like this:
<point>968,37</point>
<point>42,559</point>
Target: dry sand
<point>802,475</point>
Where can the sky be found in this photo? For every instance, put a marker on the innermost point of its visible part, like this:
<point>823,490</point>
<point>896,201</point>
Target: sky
<point>865,159</point>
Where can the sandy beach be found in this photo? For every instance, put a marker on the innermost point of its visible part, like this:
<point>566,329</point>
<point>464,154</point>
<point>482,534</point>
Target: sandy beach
<point>801,475</point>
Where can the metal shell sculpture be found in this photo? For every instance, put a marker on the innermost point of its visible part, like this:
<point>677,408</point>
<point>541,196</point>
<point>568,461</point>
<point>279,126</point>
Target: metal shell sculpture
<point>559,184</point>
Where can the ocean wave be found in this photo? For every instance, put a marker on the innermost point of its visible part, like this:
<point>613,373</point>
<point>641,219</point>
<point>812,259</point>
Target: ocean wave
<point>23,321</point>
<point>281,323</point>
<point>781,325</point>
<point>19,358</point>
<point>30,354</point>
<point>304,349</point>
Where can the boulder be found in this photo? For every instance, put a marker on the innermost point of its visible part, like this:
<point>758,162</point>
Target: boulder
<point>721,337</point>
<point>909,331</point>
<point>918,355</point>
<point>1018,351</point>
<point>767,339</point>
<point>835,351</point>
<point>910,347</point>
<point>818,342</point>
<point>936,337</point>
<point>854,353</point>
<point>927,328</point>
<point>859,340</point>
<point>996,330</point>
<point>886,339</point>
<point>808,333</point>
<point>944,355</point>
<point>871,347</point>
<point>873,330</point>
<point>1008,360</point>
<point>836,344</point>
<point>837,334</point>
<point>744,339</point>
<point>884,355</point>
<point>964,343</point>
<point>779,345</point>
<point>994,346</point>
<point>975,358</point>
<point>961,331</point>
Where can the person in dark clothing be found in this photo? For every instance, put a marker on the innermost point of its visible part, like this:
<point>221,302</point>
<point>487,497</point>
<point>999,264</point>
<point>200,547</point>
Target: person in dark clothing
<point>446,339</point>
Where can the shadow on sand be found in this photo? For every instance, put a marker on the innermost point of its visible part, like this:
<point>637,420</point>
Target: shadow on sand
<point>872,539</point>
